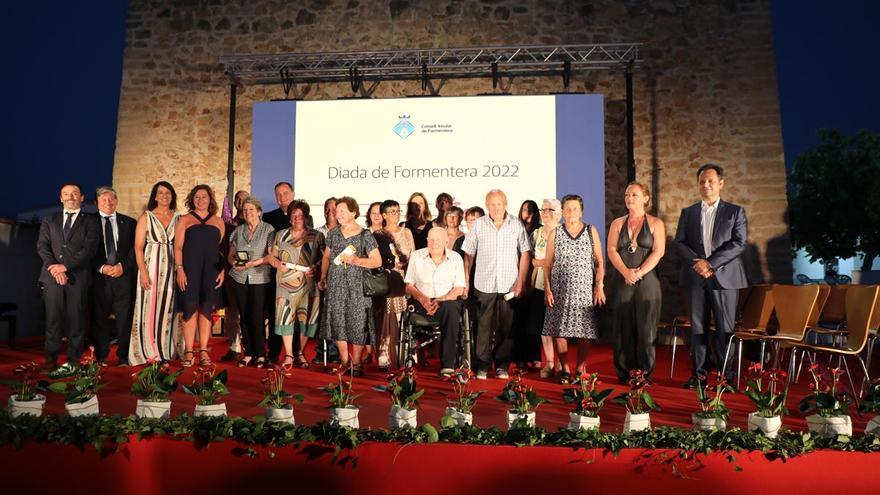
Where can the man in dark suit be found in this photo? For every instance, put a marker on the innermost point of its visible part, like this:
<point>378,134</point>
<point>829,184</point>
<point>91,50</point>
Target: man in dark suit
<point>711,238</point>
<point>114,269</point>
<point>66,245</point>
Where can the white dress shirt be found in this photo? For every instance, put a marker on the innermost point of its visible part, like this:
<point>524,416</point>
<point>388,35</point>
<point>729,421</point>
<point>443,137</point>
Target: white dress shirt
<point>431,279</point>
<point>707,219</point>
<point>497,251</point>
<point>75,212</point>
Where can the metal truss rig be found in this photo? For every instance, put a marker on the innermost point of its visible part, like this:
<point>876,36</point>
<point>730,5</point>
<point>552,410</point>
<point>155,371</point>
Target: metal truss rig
<point>431,63</point>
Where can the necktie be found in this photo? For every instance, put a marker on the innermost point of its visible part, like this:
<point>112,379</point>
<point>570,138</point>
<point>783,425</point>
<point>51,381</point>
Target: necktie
<point>109,241</point>
<point>67,224</point>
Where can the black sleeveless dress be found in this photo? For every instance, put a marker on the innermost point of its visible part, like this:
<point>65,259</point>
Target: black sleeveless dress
<point>636,308</point>
<point>201,263</point>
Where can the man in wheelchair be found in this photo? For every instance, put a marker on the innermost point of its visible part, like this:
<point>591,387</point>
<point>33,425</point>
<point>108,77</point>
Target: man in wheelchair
<point>435,281</point>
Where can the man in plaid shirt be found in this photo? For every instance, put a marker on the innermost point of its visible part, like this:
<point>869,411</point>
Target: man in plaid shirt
<point>503,255</point>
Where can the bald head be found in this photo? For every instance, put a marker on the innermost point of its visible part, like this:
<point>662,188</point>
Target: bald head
<point>437,239</point>
<point>496,204</point>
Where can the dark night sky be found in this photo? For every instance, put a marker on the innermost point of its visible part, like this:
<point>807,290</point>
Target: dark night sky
<point>63,72</point>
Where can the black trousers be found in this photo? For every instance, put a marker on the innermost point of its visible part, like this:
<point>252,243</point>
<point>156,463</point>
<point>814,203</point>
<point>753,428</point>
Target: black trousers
<point>112,296</point>
<point>494,339</point>
<point>251,302</point>
<point>275,342</point>
<point>449,317</point>
<point>528,322</point>
<point>706,302</point>
<point>66,304</point>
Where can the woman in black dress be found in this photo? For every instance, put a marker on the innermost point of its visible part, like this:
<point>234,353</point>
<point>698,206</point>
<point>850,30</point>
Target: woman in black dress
<point>636,243</point>
<point>197,243</point>
<point>418,219</point>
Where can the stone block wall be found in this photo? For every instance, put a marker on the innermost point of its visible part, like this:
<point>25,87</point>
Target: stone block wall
<point>706,93</point>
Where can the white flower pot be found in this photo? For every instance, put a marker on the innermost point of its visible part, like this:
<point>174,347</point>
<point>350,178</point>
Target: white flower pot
<point>830,427</point>
<point>579,422</point>
<point>873,426</point>
<point>459,417</point>
<point>636,422</point>
<point>708,424</point>
<point>345,416</point>
<point>150,409</point>
<point>21,407</point>
<point>210,410</point>
<point>512,417</point>
<point>400,417</point>
<point>87,408</point>
<point>768,426</point>
<point>283,415</point>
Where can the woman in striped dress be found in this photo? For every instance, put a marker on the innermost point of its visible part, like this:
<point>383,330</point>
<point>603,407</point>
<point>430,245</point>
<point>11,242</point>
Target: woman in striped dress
<point>154,332</point>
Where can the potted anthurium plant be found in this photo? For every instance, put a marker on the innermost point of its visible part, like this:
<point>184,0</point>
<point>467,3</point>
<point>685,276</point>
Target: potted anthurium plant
<point>458,410</point>
<point>587,401</point>
<point>523,401</point>
<point>275,398</point>
<point>830,403</point>
<point>870,403</point>
<point>767,391</point>
<point>153,384</point>
<point>405,395</point>
<point>343,412</point>
<point>713,413</point>
<point>24,398</point>
<point>81,393</point>
<point>207,387</point>
<point>638,403</point>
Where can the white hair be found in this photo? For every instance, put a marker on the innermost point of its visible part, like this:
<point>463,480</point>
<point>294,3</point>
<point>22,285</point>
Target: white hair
<point>556,205</point>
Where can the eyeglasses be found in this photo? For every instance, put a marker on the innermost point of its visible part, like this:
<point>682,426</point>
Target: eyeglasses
<point>391,212</point>
<point>546,210</point>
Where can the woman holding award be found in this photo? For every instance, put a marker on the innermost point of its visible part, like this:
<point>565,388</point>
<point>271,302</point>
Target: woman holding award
<point>347,314</point>
<point>636,243</point>
<point>251,276</point>
<point>296,255</point>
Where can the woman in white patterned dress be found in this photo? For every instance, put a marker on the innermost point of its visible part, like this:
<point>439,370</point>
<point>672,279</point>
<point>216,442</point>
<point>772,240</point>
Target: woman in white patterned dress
<point>154,332</point>
<point>572,264</point>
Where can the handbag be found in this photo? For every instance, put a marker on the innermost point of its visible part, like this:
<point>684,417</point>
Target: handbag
<point>375,281</point>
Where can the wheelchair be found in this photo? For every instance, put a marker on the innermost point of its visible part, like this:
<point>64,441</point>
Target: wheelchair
<point>418,331</point>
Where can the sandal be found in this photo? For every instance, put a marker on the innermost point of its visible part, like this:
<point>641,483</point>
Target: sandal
<point>289,361</point>
<point>187,363</point>
<point>245,362</point>
<point>341,368</point>
<point>546,371</point>
<point>300,361</point>
<point>261,362</point>
<point>204,361</point>
<point>565,378</point>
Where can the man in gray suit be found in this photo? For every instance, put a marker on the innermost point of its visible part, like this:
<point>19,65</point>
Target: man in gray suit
<point>711,238</point>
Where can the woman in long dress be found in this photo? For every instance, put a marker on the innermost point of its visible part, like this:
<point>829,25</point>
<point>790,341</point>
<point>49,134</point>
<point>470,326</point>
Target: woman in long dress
<point>573,284</point>
<point>636,243</point>
<point>154,332</point>
<point>401,245</point>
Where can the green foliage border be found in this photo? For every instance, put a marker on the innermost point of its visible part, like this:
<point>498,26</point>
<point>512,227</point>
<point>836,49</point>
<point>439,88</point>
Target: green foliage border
<point>108,433</point>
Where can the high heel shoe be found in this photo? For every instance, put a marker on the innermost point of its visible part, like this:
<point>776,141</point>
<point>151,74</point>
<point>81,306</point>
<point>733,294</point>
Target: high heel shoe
<point>206,360</point>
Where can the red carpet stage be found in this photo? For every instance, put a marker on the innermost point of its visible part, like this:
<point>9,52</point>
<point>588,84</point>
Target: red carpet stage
<point>163,465</point>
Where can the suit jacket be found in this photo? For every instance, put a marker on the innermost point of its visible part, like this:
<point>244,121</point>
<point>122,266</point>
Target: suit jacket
<point>76,253</point>
<point>279,220</point>
<point>729,236</point>
<point>124,246</point>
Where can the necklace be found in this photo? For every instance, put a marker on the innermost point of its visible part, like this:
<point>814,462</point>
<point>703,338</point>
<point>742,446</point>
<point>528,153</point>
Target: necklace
<point>634,234</point>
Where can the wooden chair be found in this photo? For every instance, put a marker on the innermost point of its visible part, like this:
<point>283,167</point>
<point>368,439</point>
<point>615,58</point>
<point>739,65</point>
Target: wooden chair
<point>793,306</point>
<point>756,312</point>
<point>832,319</point>
<point>861,304</point>
<point>680,321</point>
